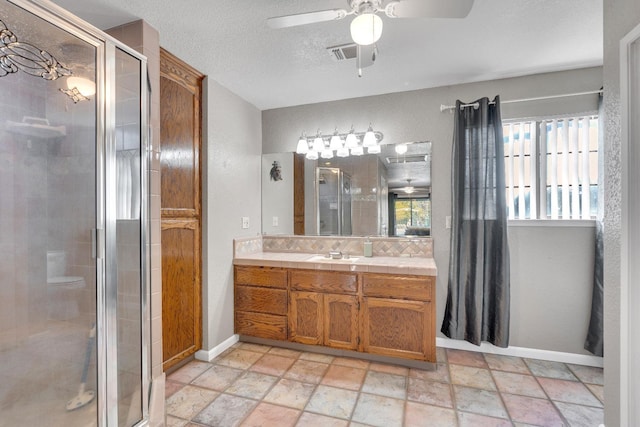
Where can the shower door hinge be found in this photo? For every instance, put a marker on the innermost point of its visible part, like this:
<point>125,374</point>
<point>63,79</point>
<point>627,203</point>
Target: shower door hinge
<point>97,243</point>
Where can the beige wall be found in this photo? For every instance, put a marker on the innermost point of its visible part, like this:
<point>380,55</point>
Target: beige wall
<point>231,189</point>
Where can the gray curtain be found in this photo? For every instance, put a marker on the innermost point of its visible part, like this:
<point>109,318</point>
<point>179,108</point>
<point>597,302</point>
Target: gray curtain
<point>478,291</point>
<point>594,342</point>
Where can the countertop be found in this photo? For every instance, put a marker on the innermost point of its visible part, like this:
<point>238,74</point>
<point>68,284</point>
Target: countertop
<point>377,264</point>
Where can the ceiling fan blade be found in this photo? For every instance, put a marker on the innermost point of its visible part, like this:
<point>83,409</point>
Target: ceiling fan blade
<point>306,18</point>
<point>428,9</point>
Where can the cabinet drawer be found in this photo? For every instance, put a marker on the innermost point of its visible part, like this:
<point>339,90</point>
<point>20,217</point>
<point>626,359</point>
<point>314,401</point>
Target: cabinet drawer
<point>261,325</point>
<point>401,287</point>
<point>324,281</point>
<point>270,277</point>
<point>261,300</point>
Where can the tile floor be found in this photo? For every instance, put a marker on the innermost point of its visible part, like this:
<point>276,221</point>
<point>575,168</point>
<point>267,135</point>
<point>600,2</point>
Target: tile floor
<point>255,385</point>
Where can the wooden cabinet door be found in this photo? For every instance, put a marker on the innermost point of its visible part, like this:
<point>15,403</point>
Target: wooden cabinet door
<point>341,321</point>
<point>398,328</point>
<point>180,176</point>
<point>305,317</point>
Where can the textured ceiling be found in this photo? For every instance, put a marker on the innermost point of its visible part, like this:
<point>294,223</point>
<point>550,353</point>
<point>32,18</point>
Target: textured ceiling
<point>230,42</point>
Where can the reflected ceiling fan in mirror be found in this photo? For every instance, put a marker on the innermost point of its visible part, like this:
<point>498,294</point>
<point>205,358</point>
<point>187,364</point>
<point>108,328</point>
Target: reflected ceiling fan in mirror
<point>366,27</point>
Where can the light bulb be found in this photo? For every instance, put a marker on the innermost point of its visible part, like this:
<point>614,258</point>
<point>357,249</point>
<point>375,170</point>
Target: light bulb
<point>318,144</point>
<point>335,142</point>
<point>312,155</point>
<point>369,139</point>
<point>366,29</point>
<point>327,153</point>
<point>401,148</point>
<point>357,151</point>
<point>303,146</point>
<point>342,152</point>
<point>374,149</point>
<point>352,140</point>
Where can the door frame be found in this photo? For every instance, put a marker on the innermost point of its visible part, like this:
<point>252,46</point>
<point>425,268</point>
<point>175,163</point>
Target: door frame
<point>630,228</point>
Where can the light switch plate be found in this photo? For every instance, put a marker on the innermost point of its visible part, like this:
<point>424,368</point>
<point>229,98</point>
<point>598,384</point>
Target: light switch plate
<point>274,221</point>
<point>447,221</point>
<point>245,222</point>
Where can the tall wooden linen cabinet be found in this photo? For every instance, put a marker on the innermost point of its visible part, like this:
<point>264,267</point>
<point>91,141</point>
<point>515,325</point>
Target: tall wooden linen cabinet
<point>181,208</point>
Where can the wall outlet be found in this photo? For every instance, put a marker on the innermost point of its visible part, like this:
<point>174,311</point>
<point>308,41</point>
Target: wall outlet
<point>274,221</point>
<point>245,222</point>
<point>447,221</point>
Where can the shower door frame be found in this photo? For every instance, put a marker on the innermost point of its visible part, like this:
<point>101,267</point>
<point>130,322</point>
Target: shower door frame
<point>105,233</point>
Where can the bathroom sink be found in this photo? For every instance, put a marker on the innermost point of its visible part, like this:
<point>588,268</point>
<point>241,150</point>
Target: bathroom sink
<point>324,258</point>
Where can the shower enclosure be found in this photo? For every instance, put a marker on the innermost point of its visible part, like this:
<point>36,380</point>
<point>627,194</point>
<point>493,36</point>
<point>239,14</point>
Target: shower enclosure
<point>333,195</point>
<point>74,258</point>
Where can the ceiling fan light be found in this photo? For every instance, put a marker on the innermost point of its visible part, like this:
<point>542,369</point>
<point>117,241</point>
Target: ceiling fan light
<point>409,190</point>
<point>401,148</point>
<point>303,146</point>
<point>366,29</point>
<point>86,87</point>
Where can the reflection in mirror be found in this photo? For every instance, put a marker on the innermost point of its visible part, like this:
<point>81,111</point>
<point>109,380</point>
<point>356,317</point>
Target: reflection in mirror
<point>385,194</point>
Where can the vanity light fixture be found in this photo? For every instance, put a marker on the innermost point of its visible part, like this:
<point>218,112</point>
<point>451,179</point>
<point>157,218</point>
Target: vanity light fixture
<point>369,139</point>
<point>374,149</point>
<point>303,145</point>
<point>341,145</point>
<point>357,151</point>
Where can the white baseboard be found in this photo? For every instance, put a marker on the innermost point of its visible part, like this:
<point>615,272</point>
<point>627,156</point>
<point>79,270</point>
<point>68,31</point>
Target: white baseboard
<point>209,355</point>
<point>529,353</point>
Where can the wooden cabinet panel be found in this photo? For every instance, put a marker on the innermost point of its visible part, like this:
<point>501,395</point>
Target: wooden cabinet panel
<point>261,276</point>
<point>398,328</point>
<point>305,317</point>
<point>324,281</point>
<point>341,321</point>
<point>181,324</point>
<point>400,287</point>
<point>261,325</point>
<point>180,177</point>
<point>261,300</point>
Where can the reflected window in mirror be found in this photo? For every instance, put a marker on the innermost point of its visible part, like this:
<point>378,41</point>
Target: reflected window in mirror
<point>410,216</point>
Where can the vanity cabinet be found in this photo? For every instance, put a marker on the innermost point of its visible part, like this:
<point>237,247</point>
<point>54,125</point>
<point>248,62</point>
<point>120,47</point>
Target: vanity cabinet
<point>383,314</point>
<point>260,300</point>
<point>398,316</point>
<point>323,308</point>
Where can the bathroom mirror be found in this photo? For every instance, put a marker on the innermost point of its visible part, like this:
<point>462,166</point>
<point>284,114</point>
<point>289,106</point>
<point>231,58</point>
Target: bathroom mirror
<point>385,194</point>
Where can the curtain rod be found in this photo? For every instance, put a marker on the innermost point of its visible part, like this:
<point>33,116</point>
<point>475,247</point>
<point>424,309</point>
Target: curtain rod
<point>444,108</point>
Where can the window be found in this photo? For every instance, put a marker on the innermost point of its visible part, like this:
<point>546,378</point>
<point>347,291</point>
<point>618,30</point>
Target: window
<point>551,168</point>
<point>412,216</point>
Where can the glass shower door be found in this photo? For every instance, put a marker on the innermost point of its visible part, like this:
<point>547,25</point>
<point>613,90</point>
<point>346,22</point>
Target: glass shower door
<point>48,275</point>
<point>129,237</point>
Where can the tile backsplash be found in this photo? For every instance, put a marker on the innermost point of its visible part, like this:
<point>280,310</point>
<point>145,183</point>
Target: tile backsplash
<point>382,246</point>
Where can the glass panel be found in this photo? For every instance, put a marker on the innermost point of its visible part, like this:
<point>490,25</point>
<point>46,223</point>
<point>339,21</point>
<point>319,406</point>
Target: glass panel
<point>47,214</point>
<point>128,232</point>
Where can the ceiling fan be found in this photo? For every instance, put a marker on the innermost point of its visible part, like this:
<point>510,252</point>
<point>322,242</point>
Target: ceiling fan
<point>366,27</point>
